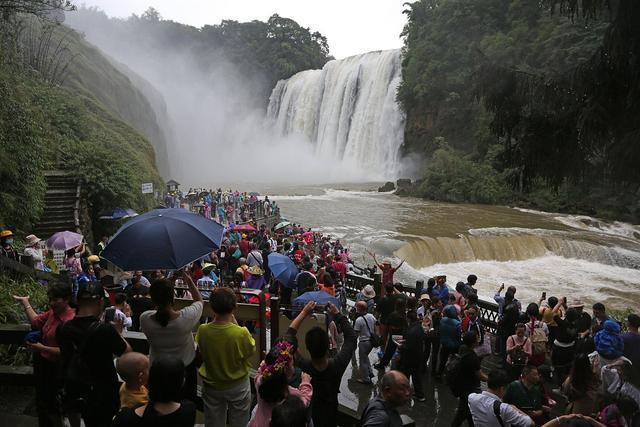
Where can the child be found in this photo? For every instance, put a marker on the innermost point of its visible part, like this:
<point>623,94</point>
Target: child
<point>133,368</point>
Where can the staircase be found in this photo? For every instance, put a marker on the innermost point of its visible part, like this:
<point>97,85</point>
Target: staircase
<point>62,204</point>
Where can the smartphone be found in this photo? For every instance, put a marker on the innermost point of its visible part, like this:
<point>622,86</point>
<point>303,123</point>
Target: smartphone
<point>109,315</point>
<point>544,295</point>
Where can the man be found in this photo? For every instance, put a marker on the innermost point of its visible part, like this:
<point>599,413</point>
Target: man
<point>528,395</point>
<point>631,340</point>
<point>468,379</point>
<point>381,411</point>
<point>87,347</point>
<point>599,316</point>
<point>305,280</point>
<point>384,308</point>
<point>509,316</point>
<point>225,348</point>
<point>425,306</point>
<point>103,244</point>
<point>254,258</point>
<point>487,409</point>
<point>412,354</point>
<point>469,286</point>
<point>6,245</point>
<point>440,289</point>
<point>326,372</point>
<point>502,302</point>
<point>364,326</point>
<point>139,278</point>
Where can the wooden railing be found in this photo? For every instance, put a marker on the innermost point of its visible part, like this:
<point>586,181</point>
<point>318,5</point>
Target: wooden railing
<point>15,269</point>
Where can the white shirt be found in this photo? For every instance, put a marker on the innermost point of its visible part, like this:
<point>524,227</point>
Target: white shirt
<point>37,256</point>
<point>481,406</point>
<point>176,339</point>
<point>360,326</point>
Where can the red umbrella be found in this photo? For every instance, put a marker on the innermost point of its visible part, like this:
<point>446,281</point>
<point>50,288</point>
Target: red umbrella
<point>244,227</point>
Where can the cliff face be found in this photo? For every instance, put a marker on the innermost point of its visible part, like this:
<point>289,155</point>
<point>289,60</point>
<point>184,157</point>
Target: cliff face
<point>124,93</point>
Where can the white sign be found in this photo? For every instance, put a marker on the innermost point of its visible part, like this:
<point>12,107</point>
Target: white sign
<point>147,188</point>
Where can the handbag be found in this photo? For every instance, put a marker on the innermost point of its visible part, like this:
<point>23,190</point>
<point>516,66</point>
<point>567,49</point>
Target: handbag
<point>374,339</point>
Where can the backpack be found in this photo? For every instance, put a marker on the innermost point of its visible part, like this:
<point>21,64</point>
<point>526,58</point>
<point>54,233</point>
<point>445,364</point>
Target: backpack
<point>374,339</point>
<point>453,373</point>
<point>519,357</point>
<point>538,340</point>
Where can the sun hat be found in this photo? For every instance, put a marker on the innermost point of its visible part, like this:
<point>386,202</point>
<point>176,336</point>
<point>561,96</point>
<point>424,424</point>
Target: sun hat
<point>576,303</point>
<point>369,292</point>
<point>256,271</point>
<point>425,297</point>
<point>31,240</point>
<point>386,261</point>
<point>6,233</point>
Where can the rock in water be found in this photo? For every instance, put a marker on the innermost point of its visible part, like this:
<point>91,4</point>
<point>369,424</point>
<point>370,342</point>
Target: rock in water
<point>388,186</point>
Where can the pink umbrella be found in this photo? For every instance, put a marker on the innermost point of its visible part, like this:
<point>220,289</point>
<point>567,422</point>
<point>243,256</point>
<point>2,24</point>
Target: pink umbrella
<point>65,240</point>
<point>244,227</point>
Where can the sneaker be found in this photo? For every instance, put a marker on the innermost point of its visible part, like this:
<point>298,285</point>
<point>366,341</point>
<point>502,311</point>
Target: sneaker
<point>419,398</point>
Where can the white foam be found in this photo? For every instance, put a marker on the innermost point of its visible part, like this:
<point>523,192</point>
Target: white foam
<point>595,225</point>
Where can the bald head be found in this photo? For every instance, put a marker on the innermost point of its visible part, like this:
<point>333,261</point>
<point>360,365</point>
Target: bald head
<point>395,388</point>
<point>361,307</point>
<point>133,367</point>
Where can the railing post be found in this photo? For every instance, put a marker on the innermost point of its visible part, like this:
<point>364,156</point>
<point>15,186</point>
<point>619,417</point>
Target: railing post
<point>419,287</point>
<point>274,305</point>
<point>377,284</point>
<point>262,318</point>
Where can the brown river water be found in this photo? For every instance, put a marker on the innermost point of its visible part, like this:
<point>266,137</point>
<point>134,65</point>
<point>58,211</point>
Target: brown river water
<point>564,255</point>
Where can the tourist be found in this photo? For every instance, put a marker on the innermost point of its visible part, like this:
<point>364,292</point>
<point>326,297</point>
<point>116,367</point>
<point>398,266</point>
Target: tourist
<point>291,412</point>
<point>138,277</point>
<point>87,346</point>
<point>519,351</point>
<point>473,323</point>
<point>621,379</point>
<point>581,387</point>
<point>450,336</point>
<point>433,337</point>
<point>133,368</point>
<point>139,301</point>
<point>425,306</point>
<point>254,257</point>
<point>170,331</point>
<point>397,323</point>
<point>73,266</point>
<point>469,286</point>
<point>306,281</point>
<point>547,316</point>
<point>385,307</point>
<point>599,317</point>
<point>272,383</point>
<point>123,311</point>
<point>508,317</point>
<point>6,245</point>
<point>502,301</point>
<point>609,345</point>
<point>256,278</point>
<point>166,407</point>
<point>411,351</point>
<point>382,411</point>
<point>32,248</point>
<point>631,340</point>
<point>46,352</point>
<point>488,410</point>
<point>326,373</point>
<point>564,346</point>
<point>538,332</point>
<point>468,378</point>
<point>458,296</point>
<point>364,326</point>
<point>583,325</point>
<point>386,268</point>
<point>440,289</point>
<point>367,295</point>
<point>528,395</point>
<point>225,348</point>
<point>102,244</point>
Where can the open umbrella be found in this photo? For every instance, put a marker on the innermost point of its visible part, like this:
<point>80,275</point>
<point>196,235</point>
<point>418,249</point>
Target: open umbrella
<point>283,269</point>
<point>163,238</point>
<point>282,224</point>
<point>320,297</point>
<point>253,193</point>
<point>244,227</point>
<point>119,213</point>
<point>64,240</point>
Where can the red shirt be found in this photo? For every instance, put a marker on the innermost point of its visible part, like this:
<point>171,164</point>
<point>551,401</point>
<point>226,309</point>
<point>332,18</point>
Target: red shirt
<point>340,268</point>
<point>48,323</point>
<point>387,274</point>
<point>244,247</point>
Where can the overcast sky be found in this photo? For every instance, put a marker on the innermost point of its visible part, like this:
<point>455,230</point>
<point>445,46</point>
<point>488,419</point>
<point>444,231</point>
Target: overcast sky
<point>351,26</point>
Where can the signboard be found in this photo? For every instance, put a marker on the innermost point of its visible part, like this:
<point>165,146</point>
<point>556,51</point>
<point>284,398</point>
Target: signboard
<point>147,188</point>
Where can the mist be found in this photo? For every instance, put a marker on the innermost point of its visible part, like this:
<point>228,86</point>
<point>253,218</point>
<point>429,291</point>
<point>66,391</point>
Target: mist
<point>215,120</point>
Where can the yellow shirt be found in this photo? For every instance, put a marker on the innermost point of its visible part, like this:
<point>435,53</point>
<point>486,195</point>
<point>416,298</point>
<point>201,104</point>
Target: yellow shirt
<point>133,398</point>
<point>225,351</point>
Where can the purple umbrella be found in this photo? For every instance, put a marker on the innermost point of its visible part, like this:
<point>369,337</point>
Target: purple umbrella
<point>65,240</point>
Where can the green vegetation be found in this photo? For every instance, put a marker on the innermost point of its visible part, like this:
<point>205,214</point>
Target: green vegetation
<point>44,125</point>
<point>498,80</point>
<point>261,52</point>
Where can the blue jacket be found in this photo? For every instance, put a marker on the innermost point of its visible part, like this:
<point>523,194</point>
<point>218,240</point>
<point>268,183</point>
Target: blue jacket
<point>450,336</point>
<point>442,292</point>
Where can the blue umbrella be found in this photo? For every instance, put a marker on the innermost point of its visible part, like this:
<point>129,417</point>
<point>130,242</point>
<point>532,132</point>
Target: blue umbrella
<point>320,297</point>
<point>163,238</point>
<point>283,269</point>
<point>119,213</point>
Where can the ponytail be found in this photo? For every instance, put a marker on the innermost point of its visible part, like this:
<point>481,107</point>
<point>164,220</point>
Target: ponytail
<point>162,316</point>
<point>161,292</point>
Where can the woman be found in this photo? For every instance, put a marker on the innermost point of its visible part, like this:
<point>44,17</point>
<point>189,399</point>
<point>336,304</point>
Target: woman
<point>538,333</point>
<point>519,351</point>
<point>581,387</point>
<point>170,332</point>
<point>565,342</point>
<point>609,345</point>
<point>46,350</point>
<point>547,313</point>
<point>32,248</point>
<point>274,374</point>
<point>165,407</point>
<point>450,335</point>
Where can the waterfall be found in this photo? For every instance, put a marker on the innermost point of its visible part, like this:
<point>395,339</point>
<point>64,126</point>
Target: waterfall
<point>348,110</point>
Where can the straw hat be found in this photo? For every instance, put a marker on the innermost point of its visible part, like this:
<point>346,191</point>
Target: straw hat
<point>256,271</point>
<point>207,267</point>
<point>576,303</point>
<point>425,297</point>
<point>369,292</point>
<point>31,240</point>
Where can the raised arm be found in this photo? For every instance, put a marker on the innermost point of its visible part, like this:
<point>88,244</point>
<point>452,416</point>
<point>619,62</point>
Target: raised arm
<point>26,305</point>
<point>350,339</point>
<point>193,289</point>
<point>308,309</point>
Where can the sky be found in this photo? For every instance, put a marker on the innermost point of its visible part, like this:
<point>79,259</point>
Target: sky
<point>351,26</point>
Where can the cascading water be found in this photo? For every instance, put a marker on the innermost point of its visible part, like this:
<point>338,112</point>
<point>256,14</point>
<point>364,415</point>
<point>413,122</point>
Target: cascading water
<point>348,110</point>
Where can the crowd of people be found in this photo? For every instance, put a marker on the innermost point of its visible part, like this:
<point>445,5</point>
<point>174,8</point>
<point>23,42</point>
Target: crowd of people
<point>435,335</point>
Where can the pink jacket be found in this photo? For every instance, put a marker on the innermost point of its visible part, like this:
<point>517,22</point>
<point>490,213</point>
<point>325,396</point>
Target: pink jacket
<point>261,415</point>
